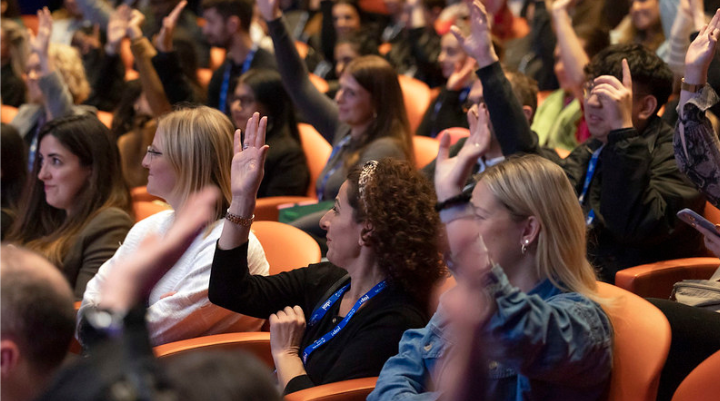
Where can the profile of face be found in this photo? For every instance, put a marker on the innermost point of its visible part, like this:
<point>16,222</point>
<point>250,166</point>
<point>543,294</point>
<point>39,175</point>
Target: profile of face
<point>354,102</point>
<point>216,29</point>
<point>161,174</point>
<point>644,13</point>
<point>344,54</point>
<point>32,78</point>
<point>62,173</point>
<point>343,232</point>
<point>452,56</point>
<point>243,105</point>
<point>345,19</point>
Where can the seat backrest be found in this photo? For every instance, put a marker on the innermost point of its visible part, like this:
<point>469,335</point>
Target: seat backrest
<point>347,390</point>
<point>425,149</point>
<point>711,213</point>
<point>255,343</point>
<point>145,209</point>
<point>8,113</point>
<point>204,75</point>
<point>217,57</point>
<point>139,194</point>
<point>105,117</point>
<point>267,209</point>
<point>286,247</point>
<point>656,280</point>
<point>319,83</point>
<point>456,133</point>
<point>641,343</point>
<point>702,384</point>
<point>317,151</point>
<point>31,22</point>
<point>417,96</point>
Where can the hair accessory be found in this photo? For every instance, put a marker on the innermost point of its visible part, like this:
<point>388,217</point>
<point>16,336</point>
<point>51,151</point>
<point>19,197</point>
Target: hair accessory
<point>367,172</point>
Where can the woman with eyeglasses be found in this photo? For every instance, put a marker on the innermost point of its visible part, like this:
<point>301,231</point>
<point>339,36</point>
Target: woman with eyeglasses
<point>341,319</point>
<point>192,149</point>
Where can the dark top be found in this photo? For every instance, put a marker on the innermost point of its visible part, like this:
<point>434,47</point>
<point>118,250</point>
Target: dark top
<point>12,90</point>
<point>286,171</point>
<point>359,350</point>
<point>262,59</point>
<point>107,80</point>
<point>177,86</point>
<point>445,111</point>
<point>635,193</point>
<point>415,52</point>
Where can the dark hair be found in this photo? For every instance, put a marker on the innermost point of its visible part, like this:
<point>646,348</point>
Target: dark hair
<point>36,313</point>
<point>380,79</point>
<point>48,230</point>
<point>398,204</point>
<point>268,90</point>
<point>356,5</point>
<point>13,158</point>
<point>524,88</point>
<point>596,38</point>
<point>125,118</point>
<point>362,42</point>
<point>221,376</point>
<point>649,73</point>
<point>243,9</point>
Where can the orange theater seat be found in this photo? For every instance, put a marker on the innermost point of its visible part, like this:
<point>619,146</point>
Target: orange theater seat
<point>417,96</point>
<point>640,345</point>
<point>255,343</point>
<point>319,83</point>
<point>217,57</point>
<point>656,280</point>
<point>347,390</point>
<point>286,247</point>
<point>374,6</point>
<point>31,22</point>
<point>204,75</point>
<point>317,151</point>
<point>702,383</point>
<point>105,117</point>
<point>562,152</point>
<point>425,149</point>
<point>456,133</point>
<point>8,113</point>
<point>302,49</point>
<point>144,210</point>
<point>139,194</point>
<point>268,209</point>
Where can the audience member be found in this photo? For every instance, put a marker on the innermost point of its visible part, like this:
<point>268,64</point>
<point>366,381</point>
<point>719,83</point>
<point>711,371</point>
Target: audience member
<point>286,171</point>
<point>75,210</point>
<point>517,248</point>
<point>382,231</point>
<point>643,25</point>
<point>14,49</point>
<point>13,175</point>
<point>56,83</point>
<point>630,148</point>
<point>121,363</point>
<point>192,149</point>
<point>37,323</point>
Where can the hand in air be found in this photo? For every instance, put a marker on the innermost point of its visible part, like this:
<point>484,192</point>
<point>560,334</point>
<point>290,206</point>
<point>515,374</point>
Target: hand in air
<point>479,43</point>
<point>249,160</point>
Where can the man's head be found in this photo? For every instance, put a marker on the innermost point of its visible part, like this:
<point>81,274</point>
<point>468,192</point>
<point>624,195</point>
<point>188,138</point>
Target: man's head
<point>224,19</point>
<point>652,85</point>
<point>38,321</point>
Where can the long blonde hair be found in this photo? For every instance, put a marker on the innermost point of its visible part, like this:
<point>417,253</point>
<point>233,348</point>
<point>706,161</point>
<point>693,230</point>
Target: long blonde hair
<point>198,143</point>
<point>69,63</point>
<point>533,186</point>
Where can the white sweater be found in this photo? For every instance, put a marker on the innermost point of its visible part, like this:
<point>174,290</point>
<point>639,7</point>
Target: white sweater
<point>178,306</point>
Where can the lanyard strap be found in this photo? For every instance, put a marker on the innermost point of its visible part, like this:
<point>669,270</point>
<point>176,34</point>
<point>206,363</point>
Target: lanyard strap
<point>320,312</point>
<point>321,188</point>
<point>588,179</point>
<point>222,105</point>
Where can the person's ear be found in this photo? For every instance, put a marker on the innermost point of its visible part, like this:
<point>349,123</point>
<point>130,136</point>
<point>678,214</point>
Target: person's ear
<point>646,107</point>
<point>528,111</point>
<point>9,357</point>
<point>531,232</point>
<point>365,234</point>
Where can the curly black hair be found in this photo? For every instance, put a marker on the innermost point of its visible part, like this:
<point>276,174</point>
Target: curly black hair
<point>398,204</point>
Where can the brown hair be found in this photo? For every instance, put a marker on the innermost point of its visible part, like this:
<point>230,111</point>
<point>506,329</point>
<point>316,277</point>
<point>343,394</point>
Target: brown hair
<point>378,77</point>
<point>398,204</point>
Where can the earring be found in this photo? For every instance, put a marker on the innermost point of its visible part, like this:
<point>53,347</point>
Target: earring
<point>523,248</point>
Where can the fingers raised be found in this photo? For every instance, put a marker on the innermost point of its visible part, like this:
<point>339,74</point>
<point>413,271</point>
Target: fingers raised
<point>627,77</point>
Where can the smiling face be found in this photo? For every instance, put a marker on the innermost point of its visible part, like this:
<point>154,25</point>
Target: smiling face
<point>161,174</point>
<point>243,105</point>
<point>343,233</point>
<point>451,56</point>
<point>354,102</point>
<point>344,54</point>
<point>62,173</point>
<point>345,19</point>
<point>644,14</point>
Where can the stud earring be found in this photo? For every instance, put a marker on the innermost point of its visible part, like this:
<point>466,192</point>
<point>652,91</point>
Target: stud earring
<point>523,248</point>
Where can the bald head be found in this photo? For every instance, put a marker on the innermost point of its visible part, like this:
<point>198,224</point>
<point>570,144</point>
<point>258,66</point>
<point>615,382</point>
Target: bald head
<point>37,308</point>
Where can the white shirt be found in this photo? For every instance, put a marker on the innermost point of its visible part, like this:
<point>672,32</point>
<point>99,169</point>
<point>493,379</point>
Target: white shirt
<point>179,307</point>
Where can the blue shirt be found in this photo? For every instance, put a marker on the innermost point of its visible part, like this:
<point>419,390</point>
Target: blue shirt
<point>543,345</point>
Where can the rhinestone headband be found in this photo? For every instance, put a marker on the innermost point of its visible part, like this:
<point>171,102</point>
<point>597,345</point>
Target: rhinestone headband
<point>367,172</point>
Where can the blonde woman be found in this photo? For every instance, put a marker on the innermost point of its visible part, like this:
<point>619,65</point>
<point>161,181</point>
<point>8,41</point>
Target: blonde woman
<point>517,248</point>
<point>192,149</point>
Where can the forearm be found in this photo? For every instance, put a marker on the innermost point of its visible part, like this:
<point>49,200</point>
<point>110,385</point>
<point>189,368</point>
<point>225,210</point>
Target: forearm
<point>572,53</point>
<point>327,32</point>
<point>288,366</point>
<point>143,52</point>
<point>58,100</point>
<point>96,11</point>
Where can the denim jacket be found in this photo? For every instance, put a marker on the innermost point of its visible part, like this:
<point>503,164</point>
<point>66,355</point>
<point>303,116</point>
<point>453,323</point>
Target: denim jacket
<point>543,345</point>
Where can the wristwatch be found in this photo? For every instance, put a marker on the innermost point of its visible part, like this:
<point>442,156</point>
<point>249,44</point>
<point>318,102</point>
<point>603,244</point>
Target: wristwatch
<point>104,322</point>
<point>693,88</point>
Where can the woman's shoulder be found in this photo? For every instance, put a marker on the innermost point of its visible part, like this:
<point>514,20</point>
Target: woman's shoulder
<point>109,217</point>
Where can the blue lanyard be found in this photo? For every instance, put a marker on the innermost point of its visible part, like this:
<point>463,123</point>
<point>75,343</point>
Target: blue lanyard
<point>588,179</point>
<point>226,77</point>
<point>322,310</point>
<point>321,189</point>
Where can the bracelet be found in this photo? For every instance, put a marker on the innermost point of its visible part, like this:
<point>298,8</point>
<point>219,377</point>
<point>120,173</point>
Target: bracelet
<point>463,197</point>
<point>239,220</point>
<point>692,88</point>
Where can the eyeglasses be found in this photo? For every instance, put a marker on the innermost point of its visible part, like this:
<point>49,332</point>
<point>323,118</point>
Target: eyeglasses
<point>152,152</point>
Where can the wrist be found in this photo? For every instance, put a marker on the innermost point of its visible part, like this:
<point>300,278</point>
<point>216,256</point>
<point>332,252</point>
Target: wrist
<point>242,206</point>
<point>486,59</point>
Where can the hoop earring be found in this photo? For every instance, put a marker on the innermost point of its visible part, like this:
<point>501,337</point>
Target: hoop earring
<point>523,248</point>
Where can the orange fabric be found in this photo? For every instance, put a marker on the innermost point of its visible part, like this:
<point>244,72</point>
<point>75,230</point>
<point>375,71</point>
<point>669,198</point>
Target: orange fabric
<point>317,151</point>
<point>255,343</point>
<point>655,280</point>
<point>456,133</point>
<point>286,247</point>
<point>319,83</point>
<point>641,343</point>
<point>144,210</point>
<point>266,209</point>
<point>105,117</point>
<point>204,75</point>
<point>347,390</point>
<point>8,113</point>
<point>425,149</point>
<point>702,383</point>
<point>417,96</point>
<point>139,194</point>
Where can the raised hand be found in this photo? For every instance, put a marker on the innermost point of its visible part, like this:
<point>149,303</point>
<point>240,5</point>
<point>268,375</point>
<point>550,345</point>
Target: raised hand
<point>269,9</point>
<point>117,28</point>
<point>562,6</point>
<point>452,173</point>
<point>163,42</point>
<point>462,74</point>
<point>40,43</point>
<point>701,51</point>
<point>134,24</point>
<point>616,98</point>
<point>479,44</point>
<point>249,160</point>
